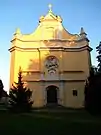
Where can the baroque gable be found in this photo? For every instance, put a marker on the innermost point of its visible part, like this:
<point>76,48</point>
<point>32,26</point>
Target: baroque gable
<point>50,27</point>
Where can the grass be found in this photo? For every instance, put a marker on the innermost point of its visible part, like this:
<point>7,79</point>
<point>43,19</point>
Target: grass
<point>67,122</point>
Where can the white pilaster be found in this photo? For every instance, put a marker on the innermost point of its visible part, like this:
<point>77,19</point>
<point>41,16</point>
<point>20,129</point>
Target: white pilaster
<point>61,93</point>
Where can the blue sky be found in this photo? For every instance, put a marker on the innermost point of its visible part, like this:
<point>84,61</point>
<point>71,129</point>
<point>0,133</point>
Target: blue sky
<point>25,15</point>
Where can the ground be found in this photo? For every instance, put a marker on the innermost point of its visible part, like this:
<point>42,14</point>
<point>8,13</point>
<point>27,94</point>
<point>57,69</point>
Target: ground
<point>46,122</point>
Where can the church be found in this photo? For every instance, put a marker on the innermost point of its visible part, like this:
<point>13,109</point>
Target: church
<point>54,62</point>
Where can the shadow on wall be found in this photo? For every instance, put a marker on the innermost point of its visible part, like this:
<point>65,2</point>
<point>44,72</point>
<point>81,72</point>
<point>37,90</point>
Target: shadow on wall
<point>31,78</point>
<point>36,64</point>
<point>32,73</point>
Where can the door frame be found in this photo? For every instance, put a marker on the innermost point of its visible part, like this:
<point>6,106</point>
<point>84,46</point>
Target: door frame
<point>57,89</point>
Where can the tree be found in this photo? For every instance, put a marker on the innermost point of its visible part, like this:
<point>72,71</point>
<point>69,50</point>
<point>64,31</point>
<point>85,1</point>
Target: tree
<point>1,88</point>
<point>98,49</point>
<point>3,95</point>
<point>20,96</point>
<point>93,93</point>
<point>88,89</point>
<point>93,86</point>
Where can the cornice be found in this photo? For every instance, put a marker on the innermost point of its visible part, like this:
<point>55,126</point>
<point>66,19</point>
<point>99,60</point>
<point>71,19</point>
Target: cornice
<point>61,80</point>
<point>80,48</point>
<point>52,40</point>
<point>60,72</point>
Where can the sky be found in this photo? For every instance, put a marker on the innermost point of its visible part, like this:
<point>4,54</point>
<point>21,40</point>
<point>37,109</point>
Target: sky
<point>25,14</point>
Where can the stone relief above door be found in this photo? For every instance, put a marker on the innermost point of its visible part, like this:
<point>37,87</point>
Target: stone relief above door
<point>51,64</point>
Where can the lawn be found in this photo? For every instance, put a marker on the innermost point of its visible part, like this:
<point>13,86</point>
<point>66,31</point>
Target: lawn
<point>67,122</point>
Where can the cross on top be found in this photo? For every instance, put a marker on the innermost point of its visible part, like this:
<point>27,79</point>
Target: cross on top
<point>50,7</point>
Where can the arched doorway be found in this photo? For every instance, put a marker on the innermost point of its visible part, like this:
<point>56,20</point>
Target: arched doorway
<point>52,95</point>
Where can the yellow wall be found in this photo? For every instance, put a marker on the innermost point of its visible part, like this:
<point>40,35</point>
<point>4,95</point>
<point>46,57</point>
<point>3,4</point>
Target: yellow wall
<point>37,95</point>
<point>76,61</point>
<point>73,67</point>
<point>74,101</point>
<point>12,67</point>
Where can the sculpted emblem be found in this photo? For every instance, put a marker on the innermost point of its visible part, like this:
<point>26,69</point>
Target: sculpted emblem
<point>51,64</point>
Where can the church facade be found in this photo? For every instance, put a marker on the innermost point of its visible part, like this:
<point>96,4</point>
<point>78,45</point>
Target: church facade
<point>55,63</point>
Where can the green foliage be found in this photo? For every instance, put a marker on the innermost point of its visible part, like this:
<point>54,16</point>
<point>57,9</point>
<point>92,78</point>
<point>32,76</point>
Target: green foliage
<point>1,85</point>
<point>93,87</point>
<point>1,88</point>
<point>3,93</point>
<point>98,49</point>
<point>93,93</point>
<point>20,96</point>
